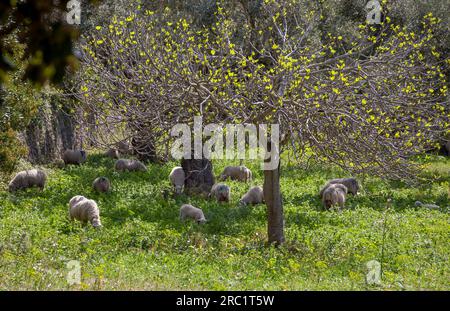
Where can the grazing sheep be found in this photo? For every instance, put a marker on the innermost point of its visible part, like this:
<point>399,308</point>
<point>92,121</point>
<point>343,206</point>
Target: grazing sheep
<point>221,192</point>
<point>254,196</point>
<point>130,165</point>
<point>101,184</point>
<point>240,173</point>
<point>74,156</point>
<point>351,184</point>
<point>429,206</point>
<point>189,211</point>
<point>112,153</point>
<point>28,179</point>
<point>176,178</point>
<point>334,194</point>
<point>84,210</point>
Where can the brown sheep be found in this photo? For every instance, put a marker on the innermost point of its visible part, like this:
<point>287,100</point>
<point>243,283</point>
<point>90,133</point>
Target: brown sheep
<point>76,157</point>
<point>28,179</point>
<point>334,194</point>
<point>130,165</point>
<point>351,184</point>
<point>253,196</point>
<point>240,173</point>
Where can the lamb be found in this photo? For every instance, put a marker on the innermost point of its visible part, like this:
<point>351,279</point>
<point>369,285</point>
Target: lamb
<point>221,192</point>
<point>253,196</point>
<point>112,153</point>
<point>74,156</point>
<point>351,184</point>
<point>84,210</point>
<point>130,165</point>
<point>28,179</point>
<point>189,211</point>
<point>334,194</point>
<point>177,178</point>
<point>240,173</point>
<point>101,184</point>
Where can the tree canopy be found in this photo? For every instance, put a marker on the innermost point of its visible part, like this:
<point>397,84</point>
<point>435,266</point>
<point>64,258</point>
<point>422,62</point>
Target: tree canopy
<point>366,103</point>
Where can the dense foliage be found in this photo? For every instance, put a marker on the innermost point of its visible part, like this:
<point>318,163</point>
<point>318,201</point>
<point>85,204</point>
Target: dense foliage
<point>18,104</point>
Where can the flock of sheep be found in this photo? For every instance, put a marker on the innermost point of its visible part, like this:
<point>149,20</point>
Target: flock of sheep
<point>219,191</point>
<point>85,210</point>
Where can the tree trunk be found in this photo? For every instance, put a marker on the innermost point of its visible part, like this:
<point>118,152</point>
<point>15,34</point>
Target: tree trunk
<point>143,149</point>
<point>272,196</point>
<point>199,175</point>
<point>50,132</point>
<point>66,128</point>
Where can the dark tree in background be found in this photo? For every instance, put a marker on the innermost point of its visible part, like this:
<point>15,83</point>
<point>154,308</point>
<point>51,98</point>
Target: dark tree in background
<point>36,48</point>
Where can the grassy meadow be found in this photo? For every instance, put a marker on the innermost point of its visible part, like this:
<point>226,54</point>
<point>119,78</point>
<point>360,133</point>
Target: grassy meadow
<point>144,246</point>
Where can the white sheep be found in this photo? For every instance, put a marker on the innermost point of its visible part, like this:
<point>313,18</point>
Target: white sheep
<point>28,179</point>
<point>253,196</point>
<point>351,184</point>
<point>221,192</point>
<point>240,173</point>
<point>101,184</point>
<point>130,165</point>
<point>84,210</point>
<point>74,156</point>
<point>177,178</point>
<point>189,211</point>
<point>334,194</point>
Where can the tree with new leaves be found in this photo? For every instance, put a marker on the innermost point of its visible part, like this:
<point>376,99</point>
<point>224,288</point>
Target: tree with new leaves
<point>367,107</point>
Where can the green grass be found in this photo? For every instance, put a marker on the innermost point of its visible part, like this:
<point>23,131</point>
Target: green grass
<point>144,246</point>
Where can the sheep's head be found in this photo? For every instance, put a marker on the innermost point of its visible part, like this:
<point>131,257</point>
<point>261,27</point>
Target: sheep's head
<point>201,220</point>
<point>96,223</point>
<point>328,203</point>
<point>223,192</point>
<point>142,167</point>
<point>242,203</point>
<point>115,153</point>
<point>354,186</point>
<point>179,189</point>
<point>12,187</point>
